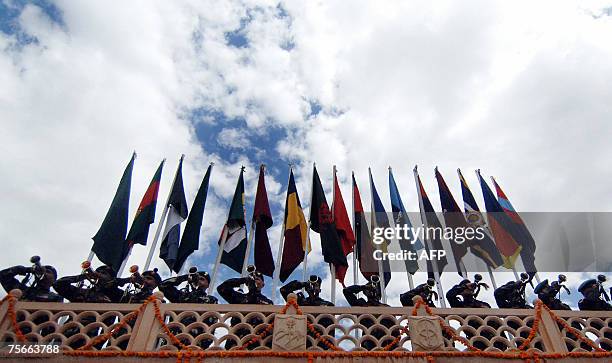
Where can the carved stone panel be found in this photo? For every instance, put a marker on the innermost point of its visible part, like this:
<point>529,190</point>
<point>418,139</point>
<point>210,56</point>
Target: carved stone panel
<point>425,333</point>
<point>289,332</point>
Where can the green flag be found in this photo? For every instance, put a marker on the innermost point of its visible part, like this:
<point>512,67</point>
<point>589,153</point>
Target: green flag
<point>191,234</point>
<point>110,239</point>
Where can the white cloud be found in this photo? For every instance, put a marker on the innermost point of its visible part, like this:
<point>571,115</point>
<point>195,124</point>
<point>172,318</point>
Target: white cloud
<point>520,90</point>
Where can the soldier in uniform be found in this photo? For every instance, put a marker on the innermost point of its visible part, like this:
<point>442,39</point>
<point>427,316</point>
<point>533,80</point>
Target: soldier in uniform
<point>193,292</point>
<point>425,291</point>
<point>595,296</point>
<point>468,291</point>
<point>36,283</point>
<point>140,286</point>
<point>312,287</point>
<point>548,293</point>
<point>512,294</point>
<point>102,285</point>
<point>254,283</point>
<point>371,290</point>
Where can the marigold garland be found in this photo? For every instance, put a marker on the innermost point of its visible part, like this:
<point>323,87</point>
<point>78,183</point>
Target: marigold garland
<point>187,353</point>
<point>13,316</point>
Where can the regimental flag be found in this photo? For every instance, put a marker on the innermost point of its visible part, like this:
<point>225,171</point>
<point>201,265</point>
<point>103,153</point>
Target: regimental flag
<point>379,219</point>
<point>484,248</point>
<point>400,217</point>
<point>453,218</point>
<point>234,232</point>
<point>190,241</point>
<point>500,224</point>
<point>519,231</point>
<point>145,215</point>
<point>296,229</point>
<point>343,228</point>
<point>365,248</point>
<point>322,222</point>
<point>262,218</point>
<point>177,212</point>
<point>431,222</point>
<point>109,241</point>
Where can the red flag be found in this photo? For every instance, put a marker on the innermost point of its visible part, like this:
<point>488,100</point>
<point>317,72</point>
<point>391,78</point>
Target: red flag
<point>263,220</point>
<point>343,227</point>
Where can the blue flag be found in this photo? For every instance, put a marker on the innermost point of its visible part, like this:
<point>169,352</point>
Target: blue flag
<point>400,217</point>
<point>380,219</point>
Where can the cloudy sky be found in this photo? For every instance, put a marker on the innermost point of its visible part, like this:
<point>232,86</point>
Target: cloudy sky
<point>520,90</point>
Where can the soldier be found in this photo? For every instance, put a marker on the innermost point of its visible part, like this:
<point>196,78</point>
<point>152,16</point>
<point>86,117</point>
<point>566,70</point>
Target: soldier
<point>512,294</point>
<point>36,284</point>
<point>254,282</point>
<point>423,290</point>
<point>468,291</point>
<point>193,292</point>
<point>102,285</point>
<point>548,293</point>
<point>595,296</point>
<point>312,287</point>
<point>371,290</point>
<point>140,286</point>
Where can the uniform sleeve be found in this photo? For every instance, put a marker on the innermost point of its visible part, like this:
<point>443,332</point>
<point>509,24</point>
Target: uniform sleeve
<point>8,280</point>
<point>227,290</point>
<point>289,288</point>
<point>169,288</point>
<point>64,286</point>
<point>350,293</point>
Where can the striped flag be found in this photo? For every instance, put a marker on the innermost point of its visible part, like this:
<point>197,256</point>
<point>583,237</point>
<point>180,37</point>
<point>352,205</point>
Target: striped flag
<point>234,233</point>
<point>177,213</point>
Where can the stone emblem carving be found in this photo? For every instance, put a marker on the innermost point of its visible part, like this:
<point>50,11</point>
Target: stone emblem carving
<point>425,333</point>
<point>289,332</point>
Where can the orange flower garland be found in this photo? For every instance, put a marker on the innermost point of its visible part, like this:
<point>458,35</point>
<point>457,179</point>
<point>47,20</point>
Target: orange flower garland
<point>185,353</point>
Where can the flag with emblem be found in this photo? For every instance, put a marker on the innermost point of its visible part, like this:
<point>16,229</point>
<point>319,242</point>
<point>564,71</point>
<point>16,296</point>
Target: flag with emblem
<point>234,233</point>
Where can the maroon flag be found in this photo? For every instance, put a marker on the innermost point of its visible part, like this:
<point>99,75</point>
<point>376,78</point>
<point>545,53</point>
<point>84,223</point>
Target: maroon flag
<point>343,227</point>
<point>263,220</point>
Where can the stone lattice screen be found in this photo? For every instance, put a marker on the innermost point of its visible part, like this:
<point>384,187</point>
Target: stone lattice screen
<point>230,326</point>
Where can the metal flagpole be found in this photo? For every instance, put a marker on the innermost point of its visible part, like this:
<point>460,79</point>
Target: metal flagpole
<point>355,276</point>
<point>219,253</point>
<point>248,249</point>
<point>410,281</point>
<point>492,277</point>
<point>332,270</point>
<point>304,272</point>
<point>161,220</point>
<point>281,247</point>
<point>381,272</point>
<point>425,237</point>
<point>486,230</point>
<point>250,238</point>
<point>91,255</point>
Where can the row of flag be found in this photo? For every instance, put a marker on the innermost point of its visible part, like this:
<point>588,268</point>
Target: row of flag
<point>506,236</point>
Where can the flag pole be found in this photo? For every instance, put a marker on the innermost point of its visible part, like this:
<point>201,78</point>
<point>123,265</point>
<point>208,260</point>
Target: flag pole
<point>332,270</point>
<point>486,230</point>
<point>355,276</point>
<point>381,272</point>
<point>410,281</point>
<point>161,220</point>
<point>224,234</point>
<point>281,247</point>
<point>305,271</point>
<point>434,265</point>
<point>91,255</point>
<point>251,236</point>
